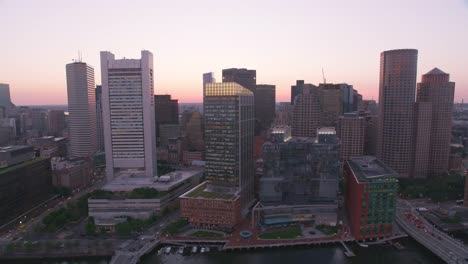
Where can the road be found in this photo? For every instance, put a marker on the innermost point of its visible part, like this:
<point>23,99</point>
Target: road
<point>132,250</point>
<point>447,248</point>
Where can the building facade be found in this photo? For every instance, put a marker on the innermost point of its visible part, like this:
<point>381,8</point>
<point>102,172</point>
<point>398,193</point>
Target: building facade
<point>300,171</point>
<point>99,120</point>
<point>128,114</point>
<point>82,109</point>
<point>434,123</point>
<point>265,104</point>
<point>351,132</point>
<point>166,111</point>
<point>371,197</point>
<point>56,122</point>
<point>306,114</point>
<point>244,77</point>
<point>396,101</point>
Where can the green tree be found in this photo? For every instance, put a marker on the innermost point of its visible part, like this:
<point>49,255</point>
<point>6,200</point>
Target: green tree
<point>90,226</point>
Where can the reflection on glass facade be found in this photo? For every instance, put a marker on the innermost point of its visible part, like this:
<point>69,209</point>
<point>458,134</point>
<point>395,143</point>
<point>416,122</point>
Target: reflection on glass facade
<point>229,131</point>
<point>300,171</point>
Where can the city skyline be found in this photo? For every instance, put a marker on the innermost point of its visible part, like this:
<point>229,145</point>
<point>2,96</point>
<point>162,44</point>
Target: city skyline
<point>347,37</point>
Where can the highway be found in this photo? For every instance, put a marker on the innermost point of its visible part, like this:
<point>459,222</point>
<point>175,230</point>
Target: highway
<point>447,248</point>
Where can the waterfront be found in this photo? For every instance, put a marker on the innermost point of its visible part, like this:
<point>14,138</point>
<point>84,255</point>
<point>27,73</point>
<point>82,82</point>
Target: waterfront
<point>382,254</point>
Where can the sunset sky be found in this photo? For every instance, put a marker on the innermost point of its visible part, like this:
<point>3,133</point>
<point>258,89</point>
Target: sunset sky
<point>282,40</point>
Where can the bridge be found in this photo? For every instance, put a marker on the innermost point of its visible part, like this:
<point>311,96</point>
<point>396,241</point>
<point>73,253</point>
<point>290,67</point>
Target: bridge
<point>144,244</point>
<point>441,244</point>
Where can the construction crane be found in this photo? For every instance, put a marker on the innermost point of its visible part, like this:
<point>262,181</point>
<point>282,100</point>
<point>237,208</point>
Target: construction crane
<point>323,76</point>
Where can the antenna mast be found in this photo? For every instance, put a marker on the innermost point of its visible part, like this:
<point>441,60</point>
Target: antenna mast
<point>323,76</point>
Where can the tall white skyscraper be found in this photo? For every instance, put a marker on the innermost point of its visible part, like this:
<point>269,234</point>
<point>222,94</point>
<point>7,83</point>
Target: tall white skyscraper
<point>128,115</point>
<point>82,109</point>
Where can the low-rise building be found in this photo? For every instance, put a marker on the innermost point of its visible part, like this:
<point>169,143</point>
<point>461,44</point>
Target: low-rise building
<point>49,146</point>
<point>210,207</point>
<point>141,197</point>
<point>71,173</point>
<point>371,196</point>
<point>12,155</point>
<point>190,156</point>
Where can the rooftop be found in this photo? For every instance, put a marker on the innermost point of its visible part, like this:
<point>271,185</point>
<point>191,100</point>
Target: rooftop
<point>127,182</point>
<point>366,168</point>
<point>13,148</point>
<point>203,191</point>
<point>436,71</point>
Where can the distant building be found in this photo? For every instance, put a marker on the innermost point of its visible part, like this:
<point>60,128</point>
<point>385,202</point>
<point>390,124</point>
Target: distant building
<point>166,111</point>
<point>246,78</point>
<point>265,103</point>
<point>8,131</point>
<point>190,156</point>
<point>371,197</point>
<point>301,88</point>
<point>434,122</point>
<point>99,120</point>
<point>331,103</point>
<point>49,146</point>
<point>56,122</point>
<point>16,154</point>
<point>82,109</point>
<point>396,116</point>
<point>39,121</point>
<point>283,114</point>
<point>71,173</point>
<point>5,99</point>
<point>351,132</point>
<point>192,130</point>
<point>167,131</point>
<point>306,113</point>
<point>128,114</point>
<point>24,185</point>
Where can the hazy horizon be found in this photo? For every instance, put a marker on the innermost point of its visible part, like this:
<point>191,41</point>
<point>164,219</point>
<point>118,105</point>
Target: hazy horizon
<point>283,41</point>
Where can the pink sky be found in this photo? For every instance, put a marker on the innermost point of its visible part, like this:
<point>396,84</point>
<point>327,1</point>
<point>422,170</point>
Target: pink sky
<point>283,40</point>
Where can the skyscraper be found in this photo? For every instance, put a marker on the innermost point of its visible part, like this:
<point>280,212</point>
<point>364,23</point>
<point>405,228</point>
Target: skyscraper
<point>229,129</point>
<point>128,115</point>
<point>100,125</point>
<point>331,102</point>
<point>5,99</point>
<point>351,132</point>
<point>306,113</point>
<point>396,116</point>
<point>265,104</point>
<point>229,133</point>
<point>82,109</point>
<point>300,88</point>
<point>246,78</point>
<point>436,92</point>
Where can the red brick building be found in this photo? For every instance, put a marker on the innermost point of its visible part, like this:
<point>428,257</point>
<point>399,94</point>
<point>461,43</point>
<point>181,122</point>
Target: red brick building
<point>206,208</point>
<point>371,193</point>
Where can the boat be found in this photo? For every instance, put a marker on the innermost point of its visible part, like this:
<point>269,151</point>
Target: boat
<point>180,250</point>
<point>202,250</point>
<point>194,249</point>
<point>363,245</point>
<point>168,250</point>
<point>207,249</point>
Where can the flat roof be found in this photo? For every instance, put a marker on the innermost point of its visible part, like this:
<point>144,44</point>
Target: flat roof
<point>366,168</point>
<point>203,191</point>
<point>14,147</point>
<point>125,182</point>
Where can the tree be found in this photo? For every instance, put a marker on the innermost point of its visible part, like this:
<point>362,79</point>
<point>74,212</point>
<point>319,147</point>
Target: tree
<point>90,226</point>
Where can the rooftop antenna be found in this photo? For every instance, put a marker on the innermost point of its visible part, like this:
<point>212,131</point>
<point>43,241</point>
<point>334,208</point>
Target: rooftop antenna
<point>323,76</point>
<point>79,57</point>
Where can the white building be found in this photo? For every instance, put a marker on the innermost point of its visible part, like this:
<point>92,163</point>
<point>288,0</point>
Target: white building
<point>82,109</point>
<point>128,115</point>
